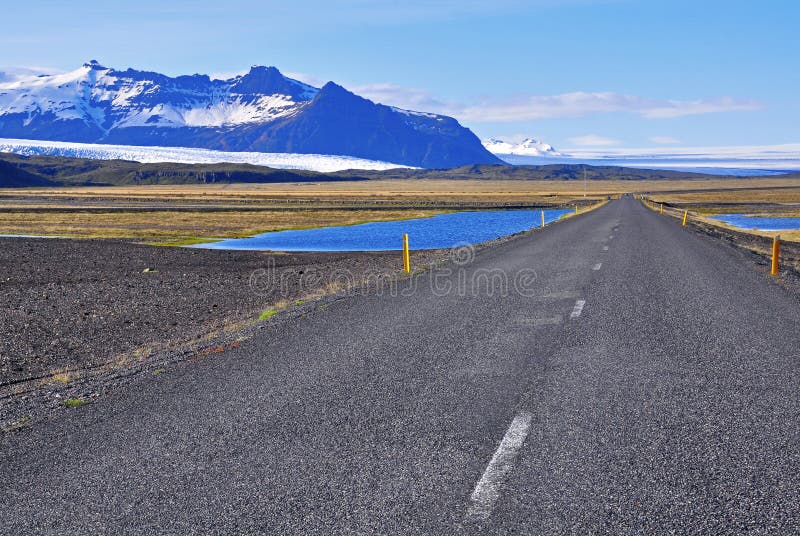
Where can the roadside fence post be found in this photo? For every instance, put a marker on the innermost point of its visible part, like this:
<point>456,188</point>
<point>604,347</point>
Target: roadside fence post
<point>776,255</point>
<point>406,256</point>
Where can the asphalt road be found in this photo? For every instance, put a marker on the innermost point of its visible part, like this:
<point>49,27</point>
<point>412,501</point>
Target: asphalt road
<point>633,377</point>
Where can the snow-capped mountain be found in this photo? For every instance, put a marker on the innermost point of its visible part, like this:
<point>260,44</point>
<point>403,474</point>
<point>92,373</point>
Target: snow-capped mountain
<point>527,147</point>
<point>261,111</point>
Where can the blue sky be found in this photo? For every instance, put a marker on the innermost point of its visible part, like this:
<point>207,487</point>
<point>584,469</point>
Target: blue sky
<point>577,73</point>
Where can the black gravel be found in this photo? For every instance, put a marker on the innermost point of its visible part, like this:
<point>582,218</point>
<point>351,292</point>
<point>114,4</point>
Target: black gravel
<point>77,304</point>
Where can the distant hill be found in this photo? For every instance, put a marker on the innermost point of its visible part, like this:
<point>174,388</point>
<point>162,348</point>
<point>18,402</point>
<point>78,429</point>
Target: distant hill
<point>22,171</point>
<point>261,111</point>
<point>11,176</point>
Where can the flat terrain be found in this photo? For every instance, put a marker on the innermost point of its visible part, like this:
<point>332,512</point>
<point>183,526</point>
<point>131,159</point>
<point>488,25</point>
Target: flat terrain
<point>613,373</point>
<point>180,214</point>
<point>72,305</point>
<point>771,202</point>
<point>420,190</point>
<point>174,226</point>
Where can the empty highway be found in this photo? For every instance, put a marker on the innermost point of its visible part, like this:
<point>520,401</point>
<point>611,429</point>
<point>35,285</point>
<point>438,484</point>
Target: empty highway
<point>611,373</point>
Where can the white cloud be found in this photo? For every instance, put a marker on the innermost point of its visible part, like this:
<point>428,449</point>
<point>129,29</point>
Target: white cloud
<point>526,108</point>
<point>593,140</point>
<point>309,79</point>
<point>664,140</point>
<point>227,75</point>
<point>9,74</point>
<point>409,98</point>
<point>393,12</point>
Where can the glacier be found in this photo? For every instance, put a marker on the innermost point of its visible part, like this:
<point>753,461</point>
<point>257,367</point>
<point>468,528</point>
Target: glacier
<point>189,155</point>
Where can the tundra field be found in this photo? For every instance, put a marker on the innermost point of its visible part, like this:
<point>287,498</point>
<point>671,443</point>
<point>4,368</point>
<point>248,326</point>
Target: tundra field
<point>184,214</point>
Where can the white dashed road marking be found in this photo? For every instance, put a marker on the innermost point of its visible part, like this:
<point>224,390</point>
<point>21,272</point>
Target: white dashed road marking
<point>578,309</point>
<point>487,490</point>
<point>605,248</point>
<point>540,321</point>
<point>597,266</point>
<point>563,295</point>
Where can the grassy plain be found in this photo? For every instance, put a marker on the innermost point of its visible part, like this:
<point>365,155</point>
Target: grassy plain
<point>774,202</point>
<point>417,190</point>
<point>168,227</point>
<point>180,214</point>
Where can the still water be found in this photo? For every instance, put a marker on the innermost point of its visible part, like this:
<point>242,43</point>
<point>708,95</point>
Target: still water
<point>743,221</point>
<point>442,231</point>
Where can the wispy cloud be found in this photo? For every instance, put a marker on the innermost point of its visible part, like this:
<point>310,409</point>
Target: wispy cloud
<point>664,140</point>
<point>391,11</point>
<point>309,79</point>
<point>575,104</point>
<point>410,98</point>
<point>593,140</point>
<point>226,75</point>
<point>9,74</point>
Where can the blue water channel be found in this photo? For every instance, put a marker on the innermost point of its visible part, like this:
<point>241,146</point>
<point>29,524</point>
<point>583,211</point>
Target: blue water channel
<point>442,231</point>
<point>743,221</point>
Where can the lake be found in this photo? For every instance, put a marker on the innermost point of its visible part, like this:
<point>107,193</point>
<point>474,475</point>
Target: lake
<point>442,231</point>
<point>743,221</point>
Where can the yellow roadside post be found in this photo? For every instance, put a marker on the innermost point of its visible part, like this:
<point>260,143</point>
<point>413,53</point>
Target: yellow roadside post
<point>661,209</point>
<point>576,209</point>
<point>685,215</point>
<point>543,218</point>
<point>776,254</point>
<point>406,256</point>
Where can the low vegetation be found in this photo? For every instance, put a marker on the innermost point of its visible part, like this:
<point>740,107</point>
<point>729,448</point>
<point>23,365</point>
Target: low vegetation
<point>180,228</point>
<point>266,315</point>
<point>200,203</point>
<point>768,202</point>
<point>55,170</point>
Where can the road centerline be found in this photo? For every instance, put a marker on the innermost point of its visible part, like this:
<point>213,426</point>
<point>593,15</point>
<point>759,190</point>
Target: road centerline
<point>578,309</point>
<point>597,266</point>
<point>487,490</point>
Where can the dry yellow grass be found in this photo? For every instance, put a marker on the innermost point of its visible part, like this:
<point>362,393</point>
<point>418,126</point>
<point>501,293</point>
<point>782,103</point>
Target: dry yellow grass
<point>191,213</point>
<point>360,191</point>
<point>783,196</point>
<point>171,227</point>
<point>760,202</point>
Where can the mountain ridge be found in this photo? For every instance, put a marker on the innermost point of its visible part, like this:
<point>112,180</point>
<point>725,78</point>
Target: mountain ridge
<point>261,111</point>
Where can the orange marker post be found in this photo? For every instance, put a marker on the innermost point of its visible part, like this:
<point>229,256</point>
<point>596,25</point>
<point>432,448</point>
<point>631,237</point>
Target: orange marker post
<point>776,255</point>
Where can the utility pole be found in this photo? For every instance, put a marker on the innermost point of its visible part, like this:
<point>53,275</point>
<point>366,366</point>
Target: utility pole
<point>584,182</point>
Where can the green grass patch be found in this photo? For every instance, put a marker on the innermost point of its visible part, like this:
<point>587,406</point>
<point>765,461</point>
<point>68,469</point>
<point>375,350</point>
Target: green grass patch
<point>267,314</point>
<point>74,402</point>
